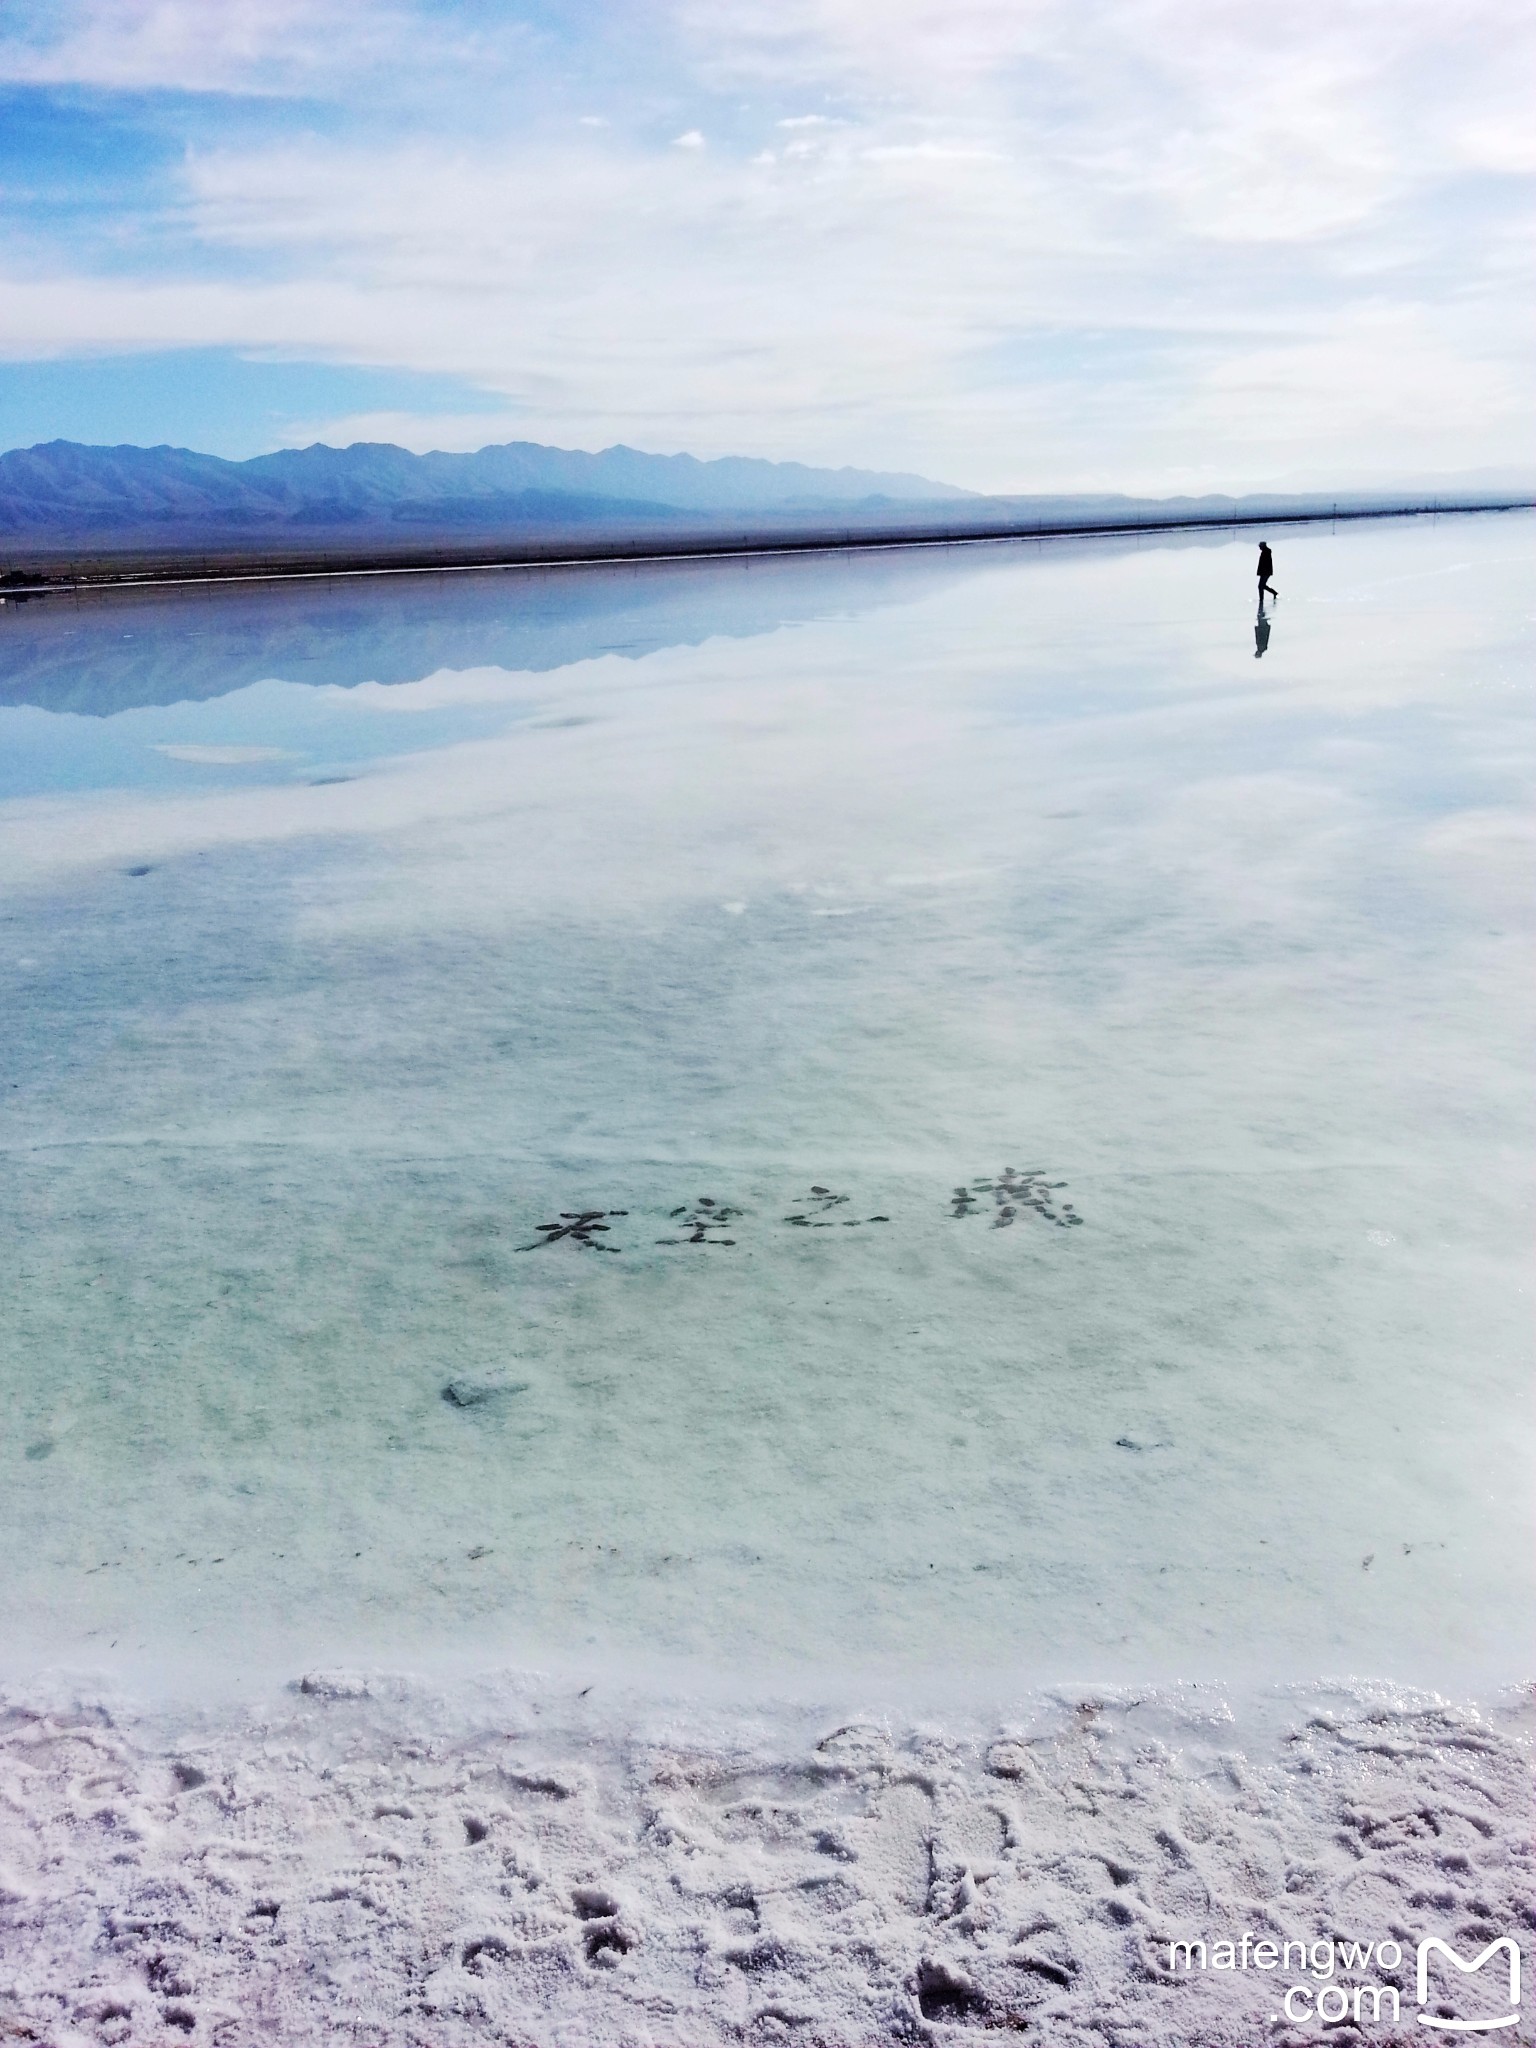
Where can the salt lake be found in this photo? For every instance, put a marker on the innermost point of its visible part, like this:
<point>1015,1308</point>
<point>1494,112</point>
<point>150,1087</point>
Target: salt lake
<point>948,1111</point>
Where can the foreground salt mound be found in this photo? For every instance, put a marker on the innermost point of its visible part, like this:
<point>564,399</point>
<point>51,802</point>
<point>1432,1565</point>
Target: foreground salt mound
<point>336,1871</point>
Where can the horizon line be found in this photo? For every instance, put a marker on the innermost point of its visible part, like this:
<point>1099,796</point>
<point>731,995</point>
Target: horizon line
<point>313,568</point>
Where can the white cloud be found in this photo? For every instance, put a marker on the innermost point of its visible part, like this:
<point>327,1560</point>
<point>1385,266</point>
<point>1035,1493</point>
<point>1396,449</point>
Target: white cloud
<point>931,152</point>
<point>250,46</point>
<point>443,690</point>
<point>225,757</point>
<point>1106,243</point>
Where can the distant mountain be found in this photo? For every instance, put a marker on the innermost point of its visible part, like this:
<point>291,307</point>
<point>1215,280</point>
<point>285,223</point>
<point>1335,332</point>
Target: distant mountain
<point>68,510</point>
<point>67,489</point>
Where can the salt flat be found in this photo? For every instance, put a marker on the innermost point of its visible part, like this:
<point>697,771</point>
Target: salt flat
<point>886,1136</point>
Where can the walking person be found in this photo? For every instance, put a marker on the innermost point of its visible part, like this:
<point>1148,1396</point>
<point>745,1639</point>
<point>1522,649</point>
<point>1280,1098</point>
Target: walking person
<point>1266,570</point>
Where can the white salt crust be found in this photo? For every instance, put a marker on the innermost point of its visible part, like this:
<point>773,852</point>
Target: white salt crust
<point>333,1870</point>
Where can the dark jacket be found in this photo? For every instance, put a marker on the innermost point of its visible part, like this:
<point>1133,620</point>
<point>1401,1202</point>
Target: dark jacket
<point>1266,564</point>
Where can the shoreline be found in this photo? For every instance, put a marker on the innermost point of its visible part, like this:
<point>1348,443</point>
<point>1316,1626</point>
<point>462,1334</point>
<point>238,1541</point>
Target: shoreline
<point>88,572</point>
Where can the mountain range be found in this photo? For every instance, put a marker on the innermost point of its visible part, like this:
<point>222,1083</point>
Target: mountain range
<point>65,507</point>
<point>66,488</point>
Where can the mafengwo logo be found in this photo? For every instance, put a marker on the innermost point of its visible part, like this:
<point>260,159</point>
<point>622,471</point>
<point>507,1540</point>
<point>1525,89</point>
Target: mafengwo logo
<point>1434,1947</point>
<point>1349,1981</point>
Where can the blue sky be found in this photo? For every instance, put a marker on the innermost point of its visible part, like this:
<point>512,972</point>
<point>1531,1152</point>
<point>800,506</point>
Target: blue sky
<point>1017,244</point>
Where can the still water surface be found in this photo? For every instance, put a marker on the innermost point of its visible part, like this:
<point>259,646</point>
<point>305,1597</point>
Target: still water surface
<point>939,1110</point>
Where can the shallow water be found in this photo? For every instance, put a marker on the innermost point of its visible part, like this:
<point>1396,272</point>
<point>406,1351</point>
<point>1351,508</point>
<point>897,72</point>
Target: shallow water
<point>350,936</point>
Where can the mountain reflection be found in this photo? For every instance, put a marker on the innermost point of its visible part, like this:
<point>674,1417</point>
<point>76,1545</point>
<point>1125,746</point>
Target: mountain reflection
<point>113,651</point>
<point>101,654</point>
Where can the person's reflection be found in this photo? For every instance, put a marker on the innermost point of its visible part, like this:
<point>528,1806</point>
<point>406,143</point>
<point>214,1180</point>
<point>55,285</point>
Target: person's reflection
<point>1260,632</point>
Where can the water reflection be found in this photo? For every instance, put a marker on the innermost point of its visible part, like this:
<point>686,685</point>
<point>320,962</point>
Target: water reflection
<point>103,654</point>
<point>268,686</point>
<point>99,656</point>
<point>274,685</point>
<point>1261,634</point>
<point>300,1078</point>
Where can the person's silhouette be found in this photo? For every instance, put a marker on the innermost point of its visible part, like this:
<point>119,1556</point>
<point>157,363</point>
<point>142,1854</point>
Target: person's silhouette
<point>1260,632</point>
<point>1266,570</point>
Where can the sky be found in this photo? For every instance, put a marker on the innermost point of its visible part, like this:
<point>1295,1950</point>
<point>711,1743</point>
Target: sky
<point>1150,245</point>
